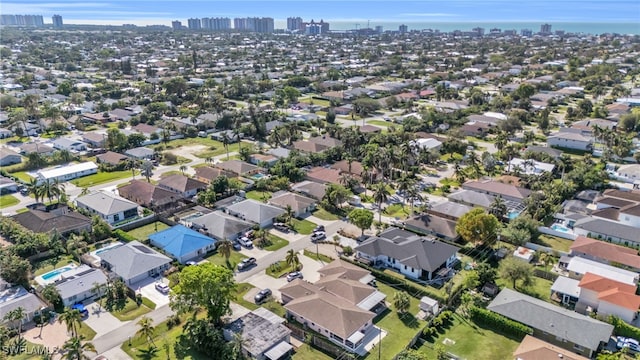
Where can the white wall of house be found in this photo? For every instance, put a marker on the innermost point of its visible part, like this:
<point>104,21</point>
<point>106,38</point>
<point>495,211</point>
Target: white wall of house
<point>589,298</point>
<point>88,294</point>
<point>321,330</point>
<point>568,143</point>
<point>629,219</point>
<point>607,308</point>
<point>156,271</point>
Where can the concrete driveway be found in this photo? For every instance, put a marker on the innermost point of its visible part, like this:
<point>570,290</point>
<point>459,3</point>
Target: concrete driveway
<point>147,289</point>
<point>254,252</point>
<point>310,268</point>
<point>264,281</point>
<point>100,320</point>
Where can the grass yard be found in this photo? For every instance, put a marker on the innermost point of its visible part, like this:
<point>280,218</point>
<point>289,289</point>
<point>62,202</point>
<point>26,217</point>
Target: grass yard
<point>25,355</point>
<point>47,265</point>
<point>319,102</point>
<point>270,305</point>
<point>540,288</point>
<point>130,311</point>
<point>87,332</point>
<point>276,242</point>
<point>325,215</point>
<point>234,259</point>
<point>101,178</point>
<point>259,195</point>
<point>162,335</point>
<point>218,149</point>
<point>318,257</point>
<point>397,211</point>
<point>306,352</point>
<point>304,227</point>
<point>400,328</point>
<point>279,269</point>
<point>8,200</point>
<point>22,176</point>
<point>380,123</point>
<point>142,233</point>
<point>466,337</point>
<point>554,242</point>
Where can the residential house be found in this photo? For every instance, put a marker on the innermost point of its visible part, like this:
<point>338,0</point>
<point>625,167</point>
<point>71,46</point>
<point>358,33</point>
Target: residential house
<point>111,158</point>
<point>606,253</point>
<point>553,153</point>
<point>220,226</point>
<point>208,174</point>
<point>300,205</point>
<point>134,262</point>
<point>238,167</point>
<point>429,224</point>
<point>77,285</point>
<point>449,210</point>
<point>42,149</point>
<point>109,206</point>
<point>311,189</point>
<point>629,173</point>
<point>316,144</point>
<point>531,348</point>
<point>5,133</point>
<point>260,159</point>
<point>256,212</point>
<point>62,220</point>
<point>324,175</point>
<point>184,186</point>
<point>7,186</point>
<point>140,153</point>
<point>356,169</point>
<point>64,173</point>
<point>412,255</point>
<point>69,145</point>
<point>577,267</point>
<point>9,157</point>
<point>12,298</point>
<point>427,144</point>
<point>148,195</point>
<point>477,129</point>
<point>94,139</point>
<point>263,334</point>
<point>571,140</point>
<point>530,166</point>
<point>606,229</point>
<point>495,188</point>
<point>279,152</point>
<point>608,297</point>
<point>182,243</point>
<point>554,324</point>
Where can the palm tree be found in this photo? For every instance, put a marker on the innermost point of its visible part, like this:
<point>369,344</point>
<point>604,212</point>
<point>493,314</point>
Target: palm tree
<point>380,195</point>
<point>18,314</point>
<point>292,259</point>
<point>147,169</point>
<point>224,248</point>
<point>76,246</point>
<point>289,214</point>
<point>413,195</point>
<point>458,172</point>
<point>146,329</point>
<point>75,349</point>
<point>59,189</point>
<point>131,164</point>
<point>183,168</point>
<point>49,189</point>
<point>51,294</point>
<point>498,207</point>
<point>149,353</point>
<point>96,289</point>
<point>36,189</point>
<point>225,142</point>
<point>73,320</point>
<point>85,191</point>
<point>401,301</point>
<point>546,259</point>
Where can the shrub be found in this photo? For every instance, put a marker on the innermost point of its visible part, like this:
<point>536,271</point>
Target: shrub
<point>347,250</point>
<point>621,328</point>
<point>123,236</point>
<point>173,320</point>
<point>498,322</point>
<point>148,303</point>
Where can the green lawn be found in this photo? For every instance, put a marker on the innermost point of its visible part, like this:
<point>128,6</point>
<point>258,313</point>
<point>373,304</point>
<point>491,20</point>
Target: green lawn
<point>279,272</point>
<point>540,288</point>
<point>471,341</point>
<point>218,149</point>
<point>8,200</point>
<point>270,305</point>
<point>169,173</point>
<point>306,352</point>
<point>318,257</point>
<point>234,259</point>
<point>304,227</point>
<point>22,176</point>
<point>47,265</point>
<point>163,335</point>
<point>87,332</point>
<point>320,102</point>
<point>276,243</point>
<point>555,242</point>
<point>101,178</point>
<point>142,233</point>
<point>259,195</point>
<point>325,215</point>
<point>397,211</point>
<point>400,328</point>
<point>379,123</point>
<point>130,311</point>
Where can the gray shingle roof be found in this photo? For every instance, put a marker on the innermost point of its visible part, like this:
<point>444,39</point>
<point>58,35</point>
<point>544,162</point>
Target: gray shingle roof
<point>610,228</point>
<point>81,280</point>
<point>222,226</point>
<point>409,249</point>
<point>133,259</point>
<point>255,211</point>
<point>106,203</point>
<point>552,319</point>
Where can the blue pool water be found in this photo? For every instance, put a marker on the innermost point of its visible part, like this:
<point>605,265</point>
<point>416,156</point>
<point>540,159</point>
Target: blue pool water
<point>558,227</point>
<point>258,176</point>
<point>107,248</point>
<point>56,272</point>
<point>513,214</point>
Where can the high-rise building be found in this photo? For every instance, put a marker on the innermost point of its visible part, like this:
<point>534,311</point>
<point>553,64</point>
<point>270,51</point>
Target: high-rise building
<point>315,28</point>
<point>379,29</point>
<point>194,24</point>
<point>22,20</point>
<point>403,28</point>
<point>176,25</point>
<point>57,21</point>
<point>261,25</point>
<point>545,29</point>
<point>478,31</point>
<point>526,32</point>
<point>295,24</point>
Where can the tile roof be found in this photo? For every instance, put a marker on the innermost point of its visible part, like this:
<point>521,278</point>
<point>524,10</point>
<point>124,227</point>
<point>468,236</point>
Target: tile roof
<point>532,348</point>
<point>210,173</point>
<point>106,203</point>
<point>615,292</point>
<point>237,166</point>
<point>181,183</point>
<point>146,194</point>
<point>496,188</point>
<point>607,251</point>
<point>179,240</point>
<point>43,222</point>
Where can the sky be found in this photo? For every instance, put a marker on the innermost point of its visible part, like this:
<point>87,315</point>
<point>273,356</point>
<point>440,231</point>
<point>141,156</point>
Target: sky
<point>145,12</point>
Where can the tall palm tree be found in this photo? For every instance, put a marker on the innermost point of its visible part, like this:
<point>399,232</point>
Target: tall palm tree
<point>146,329</point>
<point>131,164</point>
<point>292,259</point>
<point>51,294</point>
<point>147,169</point>
<point>18,314</point>
<point>225,142</point>
<point>49,189</point>
<point>75,349</point>
<point>36,189</point>
<point>76,245</point>
<point>60,189</point>
<point>401,301</point>
<point>85,191</point>
<point>97,290</point>
<point>72,319</point>
<point>498,207</point>
<point>380,195</point>
<point>183,168</point>
<point>224,248</point>
<point>413,195</point>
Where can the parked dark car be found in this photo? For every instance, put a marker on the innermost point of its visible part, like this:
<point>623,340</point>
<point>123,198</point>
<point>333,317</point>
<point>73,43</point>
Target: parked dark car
<point>319,228</point>
<point>237,246</point>
<point>281,226</point>
<point>246,263</point>
<point>262,295</point>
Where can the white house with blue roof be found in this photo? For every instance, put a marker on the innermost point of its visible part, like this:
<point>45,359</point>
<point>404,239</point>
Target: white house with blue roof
<point>182,243</point>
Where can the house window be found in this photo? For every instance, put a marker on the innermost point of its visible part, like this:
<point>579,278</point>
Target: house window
<point>577,347</point>
<point>405,267</point>
<point>116,217</point>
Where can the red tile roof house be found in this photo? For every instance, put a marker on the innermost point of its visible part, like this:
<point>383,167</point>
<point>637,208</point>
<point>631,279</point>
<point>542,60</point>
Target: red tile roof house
<point>208,174</point>
<point>185,186</point>
<point>606,253</point>
<point>111,158</point>
<point>147,195</point>
<point>609,297</point>
<point>324,175</point>
<point>316,144</point>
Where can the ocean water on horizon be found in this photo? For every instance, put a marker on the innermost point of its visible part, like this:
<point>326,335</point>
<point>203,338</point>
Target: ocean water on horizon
<point>572,27</point>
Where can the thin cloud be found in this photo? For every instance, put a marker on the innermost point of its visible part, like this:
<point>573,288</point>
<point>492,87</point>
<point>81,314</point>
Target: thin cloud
<point>429,15</point>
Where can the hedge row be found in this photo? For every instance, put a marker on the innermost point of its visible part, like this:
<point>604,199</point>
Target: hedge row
<point>414,290</point>
<point>498,322</point>
<point>123,236</point>
<point>621,328</point>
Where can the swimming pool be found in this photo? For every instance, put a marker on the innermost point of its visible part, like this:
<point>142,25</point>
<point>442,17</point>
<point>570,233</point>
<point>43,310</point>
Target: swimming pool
<point>56,272</point>
<point>110,247</point>
<point>560,228</point>
<point>190,217</point>
<point>258,176</point>
<point>513,214</point>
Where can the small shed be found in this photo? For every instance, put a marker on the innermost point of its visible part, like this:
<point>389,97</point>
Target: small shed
<point>429,305</point>
<point>524,254</point>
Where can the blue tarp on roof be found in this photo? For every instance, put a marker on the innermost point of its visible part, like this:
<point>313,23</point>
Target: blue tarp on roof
<point>180,240</point>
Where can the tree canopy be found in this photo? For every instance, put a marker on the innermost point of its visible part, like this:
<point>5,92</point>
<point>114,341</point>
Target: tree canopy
<point>477,226</point>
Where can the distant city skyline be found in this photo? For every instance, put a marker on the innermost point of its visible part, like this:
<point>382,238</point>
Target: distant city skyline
<point>376,12</point>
